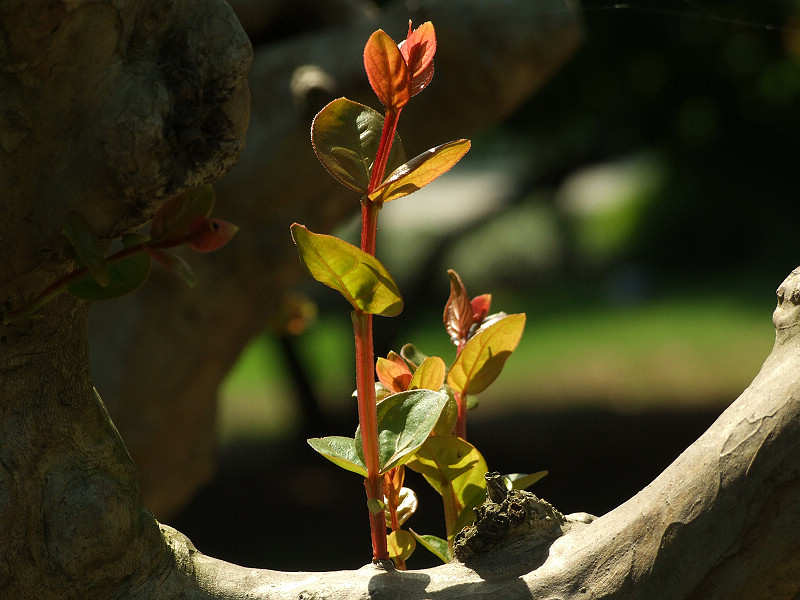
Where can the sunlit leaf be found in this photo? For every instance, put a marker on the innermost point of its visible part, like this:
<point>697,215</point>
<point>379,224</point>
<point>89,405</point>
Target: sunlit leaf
<point>176,214</point>
<point>346,136</point>
<point>429,375</point>
<point>125,276</point>
<point>401,544</point>
<point>393,372</point>
<point>86,244</point>
<point>436,545</point>
<point>420,171</point>
<point>418,49</point>
<point>387,71</point>
<point>407,507</point>
<point>455,469</point>
<point>405,421</point>
<point>522,481</point>
<point>341,451</point>
<point>360,278</point>
<point>482,357</point>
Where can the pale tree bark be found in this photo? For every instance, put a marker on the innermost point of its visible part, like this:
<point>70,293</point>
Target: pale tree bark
<point>159,355</point>
<point>107,107</point>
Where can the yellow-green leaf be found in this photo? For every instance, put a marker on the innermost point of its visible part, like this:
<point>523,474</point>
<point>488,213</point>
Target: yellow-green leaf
<point>436,545</point>
<point>360,278</point>
<point>484,355</point>
<point>429,375</point>
<point>401,544</point>
<point>420,171</point>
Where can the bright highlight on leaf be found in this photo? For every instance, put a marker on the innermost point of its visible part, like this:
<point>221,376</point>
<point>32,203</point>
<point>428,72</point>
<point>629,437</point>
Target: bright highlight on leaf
<point>387,71</point>
<point>360,278</point>
<point>482,357</point>
<point>429,375</point>
<point>420,171</point>
<point>345,136</point>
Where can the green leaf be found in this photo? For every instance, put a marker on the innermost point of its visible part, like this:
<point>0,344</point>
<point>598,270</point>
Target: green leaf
<point>401,544</point>
<point>360,278</point>
<point>375,506</point>
<point>455,469</point>
<point>412,355</point>
<point>90,252</point>
<point>522,481</point>
<point>125,276</point>
<point>176,214</point>
<point>341,451</point>
<point>420,171</point>
<point>436,545</point>
<point>429,375</point>
<point>447,420</point>
<point>345,136</point>
<point>387,70</point>
<point>484,355</point>
<point>405,421</point>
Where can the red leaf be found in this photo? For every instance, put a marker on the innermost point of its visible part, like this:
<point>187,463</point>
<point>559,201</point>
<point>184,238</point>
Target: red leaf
<point>458,310</point>
<point>387,71</point>
<point>480,307</point>
<point>207,235</point>
<point>418,50</point>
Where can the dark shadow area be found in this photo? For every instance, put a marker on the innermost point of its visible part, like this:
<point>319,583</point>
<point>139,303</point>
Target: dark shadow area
<point>270,504</point>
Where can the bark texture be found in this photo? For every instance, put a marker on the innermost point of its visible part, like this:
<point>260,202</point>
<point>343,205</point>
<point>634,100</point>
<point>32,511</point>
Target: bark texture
<point>159,355</point>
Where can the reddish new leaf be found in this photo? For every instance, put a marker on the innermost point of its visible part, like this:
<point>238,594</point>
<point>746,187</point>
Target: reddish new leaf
<point>418,50</point>
<point>387,71</point>
<point>393,372</point>
<point>207,235</point>
<point>480,307</point>
<point>458,310</point>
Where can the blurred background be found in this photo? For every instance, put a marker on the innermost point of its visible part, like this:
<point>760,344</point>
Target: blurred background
<point>640,208</point>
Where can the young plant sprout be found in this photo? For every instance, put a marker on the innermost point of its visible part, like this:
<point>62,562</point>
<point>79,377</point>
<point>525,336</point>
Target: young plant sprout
<point>407,418</point>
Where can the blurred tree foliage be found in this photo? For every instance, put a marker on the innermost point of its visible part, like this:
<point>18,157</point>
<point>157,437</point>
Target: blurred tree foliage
<point>713,90</point>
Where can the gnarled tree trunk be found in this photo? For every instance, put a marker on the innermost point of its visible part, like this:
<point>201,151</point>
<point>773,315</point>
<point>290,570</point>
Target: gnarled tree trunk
<point>107,107</point>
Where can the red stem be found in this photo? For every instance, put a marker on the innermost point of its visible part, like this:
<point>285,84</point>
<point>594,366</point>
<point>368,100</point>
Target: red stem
<point>461,420</point>
<point>365,354</point>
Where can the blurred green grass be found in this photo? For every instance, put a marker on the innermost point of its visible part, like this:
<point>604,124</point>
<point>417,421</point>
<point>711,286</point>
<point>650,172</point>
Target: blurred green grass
<point>690,348</point>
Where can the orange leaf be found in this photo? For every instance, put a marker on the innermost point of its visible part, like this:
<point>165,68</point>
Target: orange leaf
<point>418,50</point>
<point>393,372</point>
<point>420,171</point>
<point>387,71</point>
